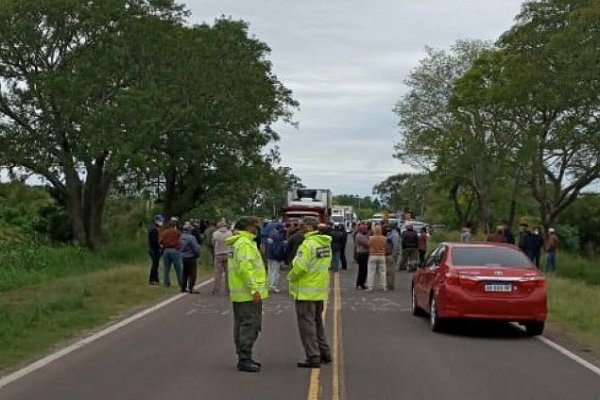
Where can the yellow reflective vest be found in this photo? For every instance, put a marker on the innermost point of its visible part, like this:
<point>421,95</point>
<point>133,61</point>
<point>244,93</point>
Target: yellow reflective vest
<point>309,277</point>
<point>246,271</point>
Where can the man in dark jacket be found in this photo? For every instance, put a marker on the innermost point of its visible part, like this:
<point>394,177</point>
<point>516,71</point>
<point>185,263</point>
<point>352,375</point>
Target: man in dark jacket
<point>190,251</point>
<point>275,255</point>
<point>509,237</point>
<point>343,254</point>
<point>536,246</point>
<point>410,245</point>
<point>295,239</point>
<point>526,240</point>
<point>337,246</point>
<point>154,249</point>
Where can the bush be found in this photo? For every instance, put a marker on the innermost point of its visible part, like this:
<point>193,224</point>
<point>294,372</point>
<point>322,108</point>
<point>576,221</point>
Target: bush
<point>569,237</point>
<point>577,267</point>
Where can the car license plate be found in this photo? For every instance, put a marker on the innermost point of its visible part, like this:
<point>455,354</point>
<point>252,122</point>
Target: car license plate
<point>498,287</point>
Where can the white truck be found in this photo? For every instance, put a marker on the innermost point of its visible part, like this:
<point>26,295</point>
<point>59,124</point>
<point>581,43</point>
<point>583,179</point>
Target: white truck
<point>302,202</point>
<point>343,215</point>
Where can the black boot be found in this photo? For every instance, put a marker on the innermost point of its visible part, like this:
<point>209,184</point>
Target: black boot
<point>325,358</point>
<point>247,366</point>
<point>310,363</point>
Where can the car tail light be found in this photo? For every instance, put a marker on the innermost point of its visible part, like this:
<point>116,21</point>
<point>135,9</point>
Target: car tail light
<point>534,282</point>
<point>455,279</point>
<point>452,278</point>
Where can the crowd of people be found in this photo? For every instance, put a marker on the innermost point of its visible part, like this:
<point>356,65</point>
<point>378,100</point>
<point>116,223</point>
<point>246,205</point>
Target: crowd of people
<point>248,259</point>
<point>530,241</point>
<point>378,250</point>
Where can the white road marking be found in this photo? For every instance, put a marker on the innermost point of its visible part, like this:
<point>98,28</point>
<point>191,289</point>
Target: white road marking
<point>92,338</point>
<point>584,363</point>
<point>569,354</point>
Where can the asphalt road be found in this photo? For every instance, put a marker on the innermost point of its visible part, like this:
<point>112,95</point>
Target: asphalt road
<point>185,351</point>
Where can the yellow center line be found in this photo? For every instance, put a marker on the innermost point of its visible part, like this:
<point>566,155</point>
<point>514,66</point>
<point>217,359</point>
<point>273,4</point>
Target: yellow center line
<point>315,375</point>
<point>335,386</point>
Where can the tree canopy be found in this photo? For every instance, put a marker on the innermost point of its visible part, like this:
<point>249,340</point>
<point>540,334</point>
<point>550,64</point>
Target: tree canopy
<point>95,94</point>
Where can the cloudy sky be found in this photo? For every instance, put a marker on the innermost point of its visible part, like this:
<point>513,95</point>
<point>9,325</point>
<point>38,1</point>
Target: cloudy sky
<point>346,61</point>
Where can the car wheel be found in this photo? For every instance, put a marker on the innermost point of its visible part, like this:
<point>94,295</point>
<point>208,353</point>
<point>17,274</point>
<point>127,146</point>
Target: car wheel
<point>534,328</point>
<point>416,310</point>
<point>434,319</point>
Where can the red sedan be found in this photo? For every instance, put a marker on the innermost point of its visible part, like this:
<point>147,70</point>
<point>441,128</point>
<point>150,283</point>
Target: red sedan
<point>487,281</point>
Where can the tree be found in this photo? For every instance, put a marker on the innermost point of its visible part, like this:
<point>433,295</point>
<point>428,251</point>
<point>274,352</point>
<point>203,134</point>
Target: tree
<point>551,77</point>
<point>66,69</point>
<point>212,114</point>
<point>445,133</point>
<point>404,191</point>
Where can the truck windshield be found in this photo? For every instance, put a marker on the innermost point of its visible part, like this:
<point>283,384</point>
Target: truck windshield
<point>337,218</point>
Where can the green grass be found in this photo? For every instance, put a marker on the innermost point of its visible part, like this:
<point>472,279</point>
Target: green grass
<point>578,268</point>
<point>23,264</point>
<point>576,307</point>
<point>35,318</point>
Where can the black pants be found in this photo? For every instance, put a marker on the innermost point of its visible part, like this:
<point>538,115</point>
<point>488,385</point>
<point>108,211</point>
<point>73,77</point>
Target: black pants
<point>312,331</point>
<point>536,258</point>
<point>154,261</point>
<point>247,323</point>
<point>363,261</point>
<point>189,273</point>
<point>343,258</point>
<point>422,256</point>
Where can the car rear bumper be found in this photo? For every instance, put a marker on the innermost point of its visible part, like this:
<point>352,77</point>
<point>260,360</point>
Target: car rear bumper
<point>455,302</point>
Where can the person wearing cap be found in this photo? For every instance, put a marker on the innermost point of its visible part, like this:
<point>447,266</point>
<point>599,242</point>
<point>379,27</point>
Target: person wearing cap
<point>169,242</point>
<point>247,289</point>
<point>154,249</point>
<point>526,240</point>
<point>552,244</point>
<point>309,287</point>
<point>190,251</point>
<point>221,254</point>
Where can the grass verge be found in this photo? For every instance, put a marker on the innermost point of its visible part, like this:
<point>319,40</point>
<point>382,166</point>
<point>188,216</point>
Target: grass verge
<point>34,318</point>
<point>24,264</point>
<point>575,306</point>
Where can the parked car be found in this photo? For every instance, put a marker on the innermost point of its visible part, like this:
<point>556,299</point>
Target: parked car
<point>488,281</point>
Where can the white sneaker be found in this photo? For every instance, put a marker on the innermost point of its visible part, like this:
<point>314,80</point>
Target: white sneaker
<point>275,290</point>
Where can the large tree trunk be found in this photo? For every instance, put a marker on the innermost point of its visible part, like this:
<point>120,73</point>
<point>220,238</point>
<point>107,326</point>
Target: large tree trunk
<point>170,191</point>
<point>75,206</point>
<point>97,186</point>
<point>513,202</point>
<point>85,202</point>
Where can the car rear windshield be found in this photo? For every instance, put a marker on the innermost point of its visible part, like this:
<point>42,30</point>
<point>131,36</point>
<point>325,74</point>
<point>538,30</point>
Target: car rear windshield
<point>488,257</point>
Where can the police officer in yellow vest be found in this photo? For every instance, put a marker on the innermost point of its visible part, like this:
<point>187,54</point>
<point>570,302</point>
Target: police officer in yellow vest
<point>247,288</point>
<point>309,287</point>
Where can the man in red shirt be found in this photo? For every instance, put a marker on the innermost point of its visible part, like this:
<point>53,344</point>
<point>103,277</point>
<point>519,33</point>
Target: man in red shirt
<point>169,242</point>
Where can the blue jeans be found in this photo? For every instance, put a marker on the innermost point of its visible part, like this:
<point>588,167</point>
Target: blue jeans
<point>551,261</point>
<point>172,256</point>
<point>336,259</point>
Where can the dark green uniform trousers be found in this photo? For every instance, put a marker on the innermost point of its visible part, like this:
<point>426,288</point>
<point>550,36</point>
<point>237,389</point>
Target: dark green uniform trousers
<point>247,322</point>
<point>312,331</point>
